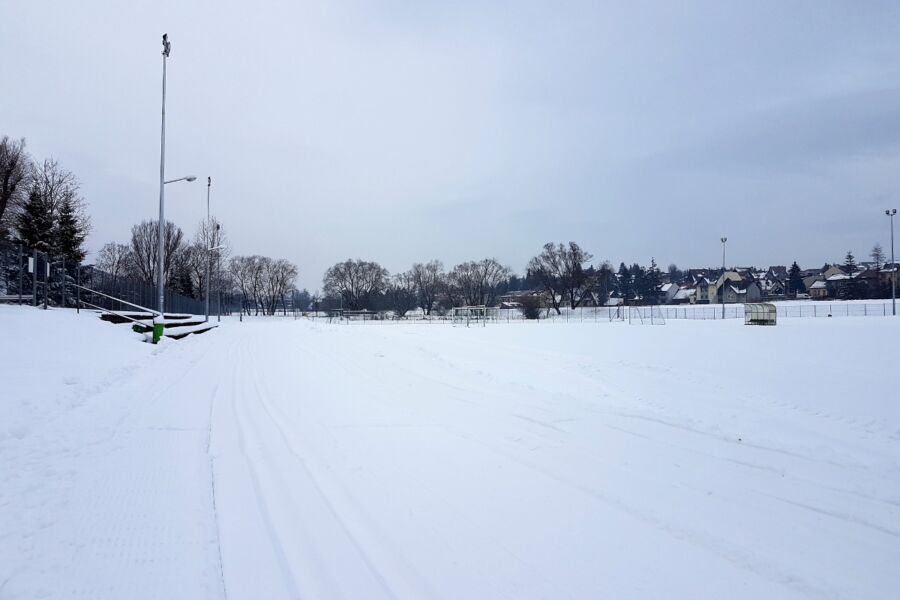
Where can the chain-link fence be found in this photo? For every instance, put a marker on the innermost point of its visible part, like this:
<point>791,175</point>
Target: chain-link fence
<point>640,314</point>
<point>30,276</point>
<point>115,291</point>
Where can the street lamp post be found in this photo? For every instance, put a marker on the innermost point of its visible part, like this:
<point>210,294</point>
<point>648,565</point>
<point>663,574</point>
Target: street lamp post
<point>722,286</point>
<point>161,248</point>
<point>209,248</point>
<point>890,213</point>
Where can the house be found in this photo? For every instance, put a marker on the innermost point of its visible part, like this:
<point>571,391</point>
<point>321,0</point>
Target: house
<point>740,291</point>
<point>772,283</point>
<point>667,292</point>
<point>684,296</point>
<point>887,271</point>
<point>809,280</point>
<point>778,272</point>
<point>871,282</point>
<point>733,276</point>
<point>818,290</point>
<point>700,291</point>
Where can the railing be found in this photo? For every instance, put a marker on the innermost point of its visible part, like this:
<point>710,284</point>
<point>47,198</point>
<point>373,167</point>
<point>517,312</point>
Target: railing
<point>648,314</point>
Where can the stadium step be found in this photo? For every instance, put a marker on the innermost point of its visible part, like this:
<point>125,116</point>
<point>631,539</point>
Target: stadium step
<point>175,325</point>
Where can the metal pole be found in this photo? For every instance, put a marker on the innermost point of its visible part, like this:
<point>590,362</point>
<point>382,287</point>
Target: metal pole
<point>208,251</point>
<point>161,280</point>
<point>893,267</point>
<point>218,290</point>
<point>63,303</point>
<point>78,290</point>
<point>724,239</point>
<point>34,273</point>
<point>20,273</point>
<point>46,277</point>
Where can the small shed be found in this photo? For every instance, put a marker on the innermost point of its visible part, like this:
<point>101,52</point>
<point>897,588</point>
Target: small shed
<point>762,313</point>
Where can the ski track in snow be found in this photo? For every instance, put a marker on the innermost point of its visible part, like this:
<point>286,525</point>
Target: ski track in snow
<point>296,460</point>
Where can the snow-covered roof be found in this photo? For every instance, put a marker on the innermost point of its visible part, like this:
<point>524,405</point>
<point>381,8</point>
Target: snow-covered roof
<point>818,285</point>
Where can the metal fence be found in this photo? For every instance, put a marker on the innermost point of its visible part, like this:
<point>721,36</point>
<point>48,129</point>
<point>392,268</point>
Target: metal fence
<point>29,276</point>
<point>641,314</point>
<point>132,291</point>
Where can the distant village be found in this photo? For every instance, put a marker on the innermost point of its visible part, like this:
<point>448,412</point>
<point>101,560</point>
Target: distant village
<point>704,286</point>
<point>848,281</point>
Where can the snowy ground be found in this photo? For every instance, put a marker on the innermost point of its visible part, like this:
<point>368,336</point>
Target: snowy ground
<point>286,459</point>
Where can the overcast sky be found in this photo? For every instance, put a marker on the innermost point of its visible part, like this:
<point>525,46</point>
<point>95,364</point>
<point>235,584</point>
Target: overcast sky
<point>405,131</point>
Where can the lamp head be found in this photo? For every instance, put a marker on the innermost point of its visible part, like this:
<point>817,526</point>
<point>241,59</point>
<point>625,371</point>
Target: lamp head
<point>190,178</point>
<point>167,45</point>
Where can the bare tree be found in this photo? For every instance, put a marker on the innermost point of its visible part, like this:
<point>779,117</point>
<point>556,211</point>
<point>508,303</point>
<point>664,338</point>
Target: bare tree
<point>429,280</point>
<point>15,170</point>
<point>242,271</point>
<point>145,250</point>
<point>561,271</point>
<point>114,258</point>
<point>401,293</point>
<point>58,187</point>
<point>476,282</point>
<point>258,282</point>
<point>356,281</point>
<point>278,281</point>
<point>877,255</point>
<point>210,234</point>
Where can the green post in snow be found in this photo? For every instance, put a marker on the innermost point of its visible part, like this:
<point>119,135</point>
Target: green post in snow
<point>158,327</point>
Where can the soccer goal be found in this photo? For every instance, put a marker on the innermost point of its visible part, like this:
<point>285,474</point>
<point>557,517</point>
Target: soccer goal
<point>646,315</point>
<point>465,315</point>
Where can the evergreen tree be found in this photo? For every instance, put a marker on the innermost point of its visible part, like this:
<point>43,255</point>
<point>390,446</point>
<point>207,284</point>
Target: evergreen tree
<point>652,283</point>
<point>69,234</point>
<point>623,282</point>
<point>639,282</point>
<point>851,288</point>
<point>795,281</point>
<point>35,223</point>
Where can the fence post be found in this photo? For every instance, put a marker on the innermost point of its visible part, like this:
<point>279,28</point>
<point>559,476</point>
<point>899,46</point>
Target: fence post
<point>34,280</point>
<point>63,303</point>
<point>20,273</point>
<point>46,277</point>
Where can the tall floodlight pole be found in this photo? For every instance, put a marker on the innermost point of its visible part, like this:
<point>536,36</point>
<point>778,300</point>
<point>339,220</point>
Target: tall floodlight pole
<point>161,249</point>
<point>724,239</point>
<point>890,213</point>
<point>209,242</point>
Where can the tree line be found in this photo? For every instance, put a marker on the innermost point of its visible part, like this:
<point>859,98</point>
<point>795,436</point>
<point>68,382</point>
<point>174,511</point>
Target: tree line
<point>40,204</point>
<point>42,209</point>
<point>264,284</point>
<point>562,274</point>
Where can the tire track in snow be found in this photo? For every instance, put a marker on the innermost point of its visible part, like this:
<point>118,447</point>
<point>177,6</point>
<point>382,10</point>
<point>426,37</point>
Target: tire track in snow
<point>554,589</point>
<point>321,495</point>
<point>287,576</point>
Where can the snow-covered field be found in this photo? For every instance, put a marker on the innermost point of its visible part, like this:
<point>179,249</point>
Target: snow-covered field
<point>288,459</point>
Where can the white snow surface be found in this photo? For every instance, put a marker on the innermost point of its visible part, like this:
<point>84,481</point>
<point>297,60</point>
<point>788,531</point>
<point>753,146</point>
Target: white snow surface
<point>288,459</point>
